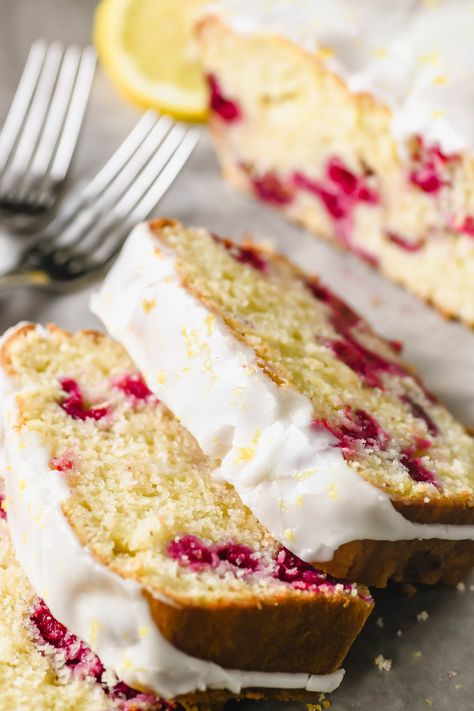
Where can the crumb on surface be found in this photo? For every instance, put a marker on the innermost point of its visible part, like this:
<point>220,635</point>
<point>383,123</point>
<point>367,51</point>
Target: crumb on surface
<point>417,654</point>
<point>379,622</point>
<point>399,633</point>
<point>461,587</point>
<point>452,674</point>
<point>422,616</point>
<point>324,704</point>
<point>408,589</point>
<point>382,664</point>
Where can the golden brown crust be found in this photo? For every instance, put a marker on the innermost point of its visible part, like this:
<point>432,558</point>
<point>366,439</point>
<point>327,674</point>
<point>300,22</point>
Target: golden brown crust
<point>302,633</point>
<point>219,697</point>
<point>5,350</point>
<point>286,631</point>
<point>428,561</point>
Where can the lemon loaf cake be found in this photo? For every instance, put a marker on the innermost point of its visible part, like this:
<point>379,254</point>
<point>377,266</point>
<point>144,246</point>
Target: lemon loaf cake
<point>42,665</point>
<point>356,120</point>
<point>133,546</point>
<point>326,434</point>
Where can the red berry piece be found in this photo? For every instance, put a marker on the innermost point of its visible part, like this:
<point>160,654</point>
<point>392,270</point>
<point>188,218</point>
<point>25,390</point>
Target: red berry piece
<point>74,404</point>
<point>227,109</point>
<point>238,555</point>
<point>270,188</point>
<point>62,463</point>
<point>404,243</point>
<point>419,412</point>
<point>133,386</point>
<point>417,471</point>
<point>190,551</point>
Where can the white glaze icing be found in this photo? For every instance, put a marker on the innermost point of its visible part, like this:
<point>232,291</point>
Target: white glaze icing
<point>290,475</point>
<point>416,56</point>
<point>109,612</point>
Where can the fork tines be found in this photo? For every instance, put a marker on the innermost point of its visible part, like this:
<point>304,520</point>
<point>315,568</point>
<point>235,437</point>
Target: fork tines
<point>92,225</point>
<point>40,133</point>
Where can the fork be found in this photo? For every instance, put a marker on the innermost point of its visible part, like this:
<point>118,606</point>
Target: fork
<point>42,127</point>
<point>89,231</point>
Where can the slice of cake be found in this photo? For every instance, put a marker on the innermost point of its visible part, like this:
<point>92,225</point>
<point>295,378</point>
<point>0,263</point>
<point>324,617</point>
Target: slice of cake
<point>42,665</point>
<point>356,120</point>
<point>326,434</point>
<point>138,551</point>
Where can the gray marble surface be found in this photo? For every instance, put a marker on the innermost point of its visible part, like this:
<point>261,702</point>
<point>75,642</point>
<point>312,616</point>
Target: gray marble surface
<point>432,660</point>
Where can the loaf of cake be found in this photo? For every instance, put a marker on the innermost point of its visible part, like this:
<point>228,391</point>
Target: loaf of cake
<point>355,119</point>
<point>326,434</point>
<point>154,564</point>
<point>42,665</point>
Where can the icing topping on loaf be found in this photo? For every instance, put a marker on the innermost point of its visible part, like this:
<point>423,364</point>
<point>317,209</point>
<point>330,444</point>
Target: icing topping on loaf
<point>417,57</point>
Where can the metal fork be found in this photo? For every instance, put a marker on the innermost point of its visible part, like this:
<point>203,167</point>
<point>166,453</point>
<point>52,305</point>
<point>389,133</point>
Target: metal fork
<point>40,133</point>
<point>89,231</point>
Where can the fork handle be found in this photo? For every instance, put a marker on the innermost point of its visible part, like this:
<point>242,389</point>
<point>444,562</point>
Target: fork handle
<point>31,278</point>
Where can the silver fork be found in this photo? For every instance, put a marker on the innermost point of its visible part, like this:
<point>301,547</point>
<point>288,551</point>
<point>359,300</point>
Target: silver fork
<point>41,130</point>
<point>91,227</point>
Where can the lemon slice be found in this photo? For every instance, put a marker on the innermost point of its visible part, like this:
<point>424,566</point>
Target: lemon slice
<point>146,47</point>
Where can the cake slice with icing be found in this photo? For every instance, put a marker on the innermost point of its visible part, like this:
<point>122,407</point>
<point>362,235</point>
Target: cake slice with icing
<point>327,435</point>
<point>134,547</point>
<point>354,119</point>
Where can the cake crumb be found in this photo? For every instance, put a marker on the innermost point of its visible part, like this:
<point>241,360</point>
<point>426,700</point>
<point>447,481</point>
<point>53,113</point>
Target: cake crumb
<point>452,674</point>
<point>429,702</point>
<point>461,587</point>
<point>382,664</point>
<point>407,589</point>
<point>325,704</point>
<point>422,616</point>
<point>399,633</point>
<point>379,622</point>
<point>417,654</point>
<point>471,588</point>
